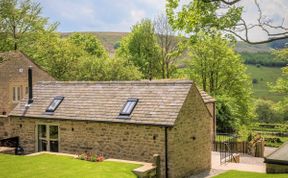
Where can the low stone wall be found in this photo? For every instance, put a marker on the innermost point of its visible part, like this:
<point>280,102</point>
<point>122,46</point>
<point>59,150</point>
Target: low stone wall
<point>7,150</point>
<point>276,168</point>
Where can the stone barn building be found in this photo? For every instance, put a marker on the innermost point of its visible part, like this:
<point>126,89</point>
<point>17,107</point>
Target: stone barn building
<point>131,120</point>
<point>13,82</point>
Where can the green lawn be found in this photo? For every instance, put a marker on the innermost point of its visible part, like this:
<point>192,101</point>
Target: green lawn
<point>52,166</point>
<point>263,76</point>
<point>240,174</point>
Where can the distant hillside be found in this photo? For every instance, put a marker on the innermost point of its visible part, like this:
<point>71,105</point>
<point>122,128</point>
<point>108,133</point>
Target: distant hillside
<point>244,47</point>
<point>110,38</point>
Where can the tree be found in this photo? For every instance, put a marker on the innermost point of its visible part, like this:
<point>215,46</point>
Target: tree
<point>89,43</point>
<point>281,85</point>
<point>140,47</point>
<point>58,56</point>
<point>266,111</point>
<point>93,69</point>
<point>168,43</point>
<point>200,15</point>
<point>18,19</point>
<point>216,67</point>
<point>224,15</point>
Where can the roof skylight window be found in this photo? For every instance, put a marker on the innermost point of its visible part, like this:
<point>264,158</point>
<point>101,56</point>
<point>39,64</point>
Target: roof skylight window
<point>129,107</point>
<point>55,103</point>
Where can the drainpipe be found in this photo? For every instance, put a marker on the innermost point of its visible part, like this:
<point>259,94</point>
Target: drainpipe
<point>30,94</point>
<point>166,152</point>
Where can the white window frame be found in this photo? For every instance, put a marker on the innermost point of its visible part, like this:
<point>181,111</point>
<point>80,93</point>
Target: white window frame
<point>47,135</point>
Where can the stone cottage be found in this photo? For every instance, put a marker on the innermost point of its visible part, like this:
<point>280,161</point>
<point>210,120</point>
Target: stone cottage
<point>129,120</point>
<point>13,82</point>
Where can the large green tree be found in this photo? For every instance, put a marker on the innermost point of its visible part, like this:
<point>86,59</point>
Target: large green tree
<point>65,60</point>
<point>140,47</point>
<point>89,43</point>
<point>58,56</point>
<point>281,85</point>
<point>18,20</point>
<point>216,67</point>
<point>105,69</point>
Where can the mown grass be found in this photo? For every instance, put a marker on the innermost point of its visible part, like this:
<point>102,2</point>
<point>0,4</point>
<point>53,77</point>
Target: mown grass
<point>264,75</point>
<point>52,166</point>
<point>240,174</point>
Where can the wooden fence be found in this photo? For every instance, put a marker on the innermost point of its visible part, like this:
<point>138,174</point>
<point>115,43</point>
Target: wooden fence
<point>236,147</point>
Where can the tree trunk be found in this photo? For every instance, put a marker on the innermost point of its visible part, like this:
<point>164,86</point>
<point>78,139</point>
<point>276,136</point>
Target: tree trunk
<point>167,70</point>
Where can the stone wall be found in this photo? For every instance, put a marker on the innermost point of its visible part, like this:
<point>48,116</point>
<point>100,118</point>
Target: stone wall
<point>190,139</point>
<point>4,97</point>
<point>212,109</point>
<point>4,127</point>
<point>119,141</point>
<point>276,168</point>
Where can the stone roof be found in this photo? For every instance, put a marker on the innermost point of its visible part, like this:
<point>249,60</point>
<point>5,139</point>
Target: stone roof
<point>279,156</point>
<point>206,98</point>
<point>159,101</point>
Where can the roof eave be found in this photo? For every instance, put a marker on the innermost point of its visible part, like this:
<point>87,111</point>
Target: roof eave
<point>275,161</point>
<point>93,120</point>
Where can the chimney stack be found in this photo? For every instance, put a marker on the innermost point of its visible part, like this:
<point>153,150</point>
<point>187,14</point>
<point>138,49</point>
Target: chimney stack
<point>30,91</point>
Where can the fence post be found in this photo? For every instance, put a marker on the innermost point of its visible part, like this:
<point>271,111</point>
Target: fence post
<point>156,162</point>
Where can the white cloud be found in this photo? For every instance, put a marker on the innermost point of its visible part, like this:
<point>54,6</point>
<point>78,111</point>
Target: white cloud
<point>137,15</point>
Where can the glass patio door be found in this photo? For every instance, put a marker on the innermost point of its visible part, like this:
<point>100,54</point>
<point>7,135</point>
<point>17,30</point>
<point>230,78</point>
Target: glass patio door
<point>48,139</point>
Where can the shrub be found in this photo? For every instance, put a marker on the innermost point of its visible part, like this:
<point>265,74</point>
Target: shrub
<point>266,112</point>
<point>100,158</point>
<point>116,45</point>
<point>254,81</point>
<point>91,157</point>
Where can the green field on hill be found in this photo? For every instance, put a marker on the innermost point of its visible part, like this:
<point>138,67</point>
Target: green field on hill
<point>264,75</point>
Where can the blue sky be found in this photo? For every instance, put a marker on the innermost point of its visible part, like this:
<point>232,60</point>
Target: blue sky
<point>100,15</point>
<point>120,15</point>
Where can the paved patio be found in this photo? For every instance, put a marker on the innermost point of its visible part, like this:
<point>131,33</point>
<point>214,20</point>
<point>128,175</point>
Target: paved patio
<point>247,163</point>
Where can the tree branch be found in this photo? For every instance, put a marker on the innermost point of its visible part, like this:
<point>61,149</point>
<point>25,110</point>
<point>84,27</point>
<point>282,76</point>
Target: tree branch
<point>227,2</point>
<point>263,24</point>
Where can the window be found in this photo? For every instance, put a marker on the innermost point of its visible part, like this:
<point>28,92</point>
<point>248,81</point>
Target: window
<point>54,104</point>
<point>17,93</point>
<point>129,107</point>
<point>48,137</point>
